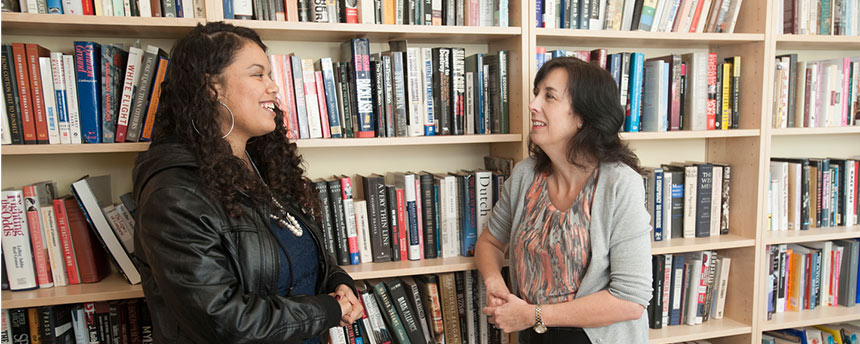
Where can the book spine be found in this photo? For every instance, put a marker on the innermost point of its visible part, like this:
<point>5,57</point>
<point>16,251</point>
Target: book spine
<point>147,70</point>
<point>321,104</point>
<point>441,91</point>
<point>391,195</point>
<point>114,61</point>
<point>69,258</point>
<point>340,234</point>
<point>450,314</point>
<point>428,99</point>
<point>414,87</point>
<point>11,97</point>
<point>458,91</point>
<point>703,200</point>
<point>132,72</point>
<point>726,200</point>
<point>39,242</point>
<point>149,122</point>
<point>403,227</point>
<point>469,208</point>
<point>37,92</point>
<point>301,103</point>
<point>349,219</point>
<point>314,120</point>
<point>382,215</point>
<point>410,199</point>
<point>16,242</point>
<point>58,79</point>
<point>407,314</point>
<point>360,66</point>
<point>631,124</point>
<point>389,308</point>
<point>49,100</point>
<point>327,223</point>
<point>429,215</point>
<point>365,251</point>
<point>372,197</point>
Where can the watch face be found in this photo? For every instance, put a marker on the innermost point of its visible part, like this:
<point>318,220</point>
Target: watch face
<point>540,328</point>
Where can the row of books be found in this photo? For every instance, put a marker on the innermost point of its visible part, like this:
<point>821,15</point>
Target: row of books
<point>809,94</point>
<point>818,17</point>
<point>839,333</point>
<point>119,8</point>
<point>406,216</point>
<point>641,15</point>
<point>51,240</point>
<point>688,288</point>
<point>813,274</point>
<point>813,193</point>
<point>693,91</point>
<point>443,308</point>
<point>406,91</point>
<point>688,200</point>
<point>126,321</point>
<point>99,94</point>
<point>400,12</point>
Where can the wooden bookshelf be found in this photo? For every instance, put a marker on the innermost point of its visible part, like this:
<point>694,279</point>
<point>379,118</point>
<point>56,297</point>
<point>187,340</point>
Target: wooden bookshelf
<point>811,317</point>
<point>812,234</point>
<point>817,42</point>
<point>297,31</point>
<point>410,267</point>
<point>815,131</point>
<point>113,287</point>
<point>100,26</point>
<point>711,329</point>
<point>689,134</point>
<point>719,242</point>
<point>625,39</point>
<point>135,147</point>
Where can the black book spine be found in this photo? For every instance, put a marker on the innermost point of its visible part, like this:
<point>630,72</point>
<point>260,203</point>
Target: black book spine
<point>703,199</point>
<point>19,325</point>
<point>429,215</point>
<point>655,307</point>
<point>328,225</point>
<point>113,320</point>
<point>145,320</point>
<point>684,96</point>
<point>407,314</point>
<point>341,245</point>
<point>458,90</point>
<point>440,88</point>
<point>398,76</point>
<point>46,325</point>
<point>376,85</point>
<point>372,198</point>
<point>726,201</point>
<point>387,94</point>
<point>384,222</point>
<point>10,96</point>
<point>460,287</point>
<point>391,195</point>
<point>804,195</point>
<point>718,94</point>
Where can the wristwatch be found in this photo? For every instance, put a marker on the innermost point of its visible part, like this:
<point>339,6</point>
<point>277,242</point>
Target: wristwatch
<point>539,327</point>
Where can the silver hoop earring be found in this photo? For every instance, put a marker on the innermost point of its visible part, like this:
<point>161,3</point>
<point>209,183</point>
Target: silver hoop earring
<point>232,122</point>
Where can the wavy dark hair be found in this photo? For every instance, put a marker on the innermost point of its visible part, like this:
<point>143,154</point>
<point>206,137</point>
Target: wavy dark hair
<point>189,112</point>
<point>594,97</point>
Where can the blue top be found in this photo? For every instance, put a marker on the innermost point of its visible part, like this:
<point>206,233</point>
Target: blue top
<point>303,261</point>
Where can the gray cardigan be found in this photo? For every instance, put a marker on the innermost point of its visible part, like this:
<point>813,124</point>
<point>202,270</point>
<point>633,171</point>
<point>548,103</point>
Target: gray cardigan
<point>620,241</point>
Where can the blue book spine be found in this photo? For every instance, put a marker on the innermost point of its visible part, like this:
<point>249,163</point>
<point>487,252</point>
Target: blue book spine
<point>55,6</point>
<point>558,53</point>
<point>631,123</point>
<point>360,65</point>
<point>179,8</point>
<point>228,9</point>
<point>561,13</point>
<point>87,77</point>
<point>615,68</point>
<point>677,278</point>
<point>331,98</point>
<point>429,117</point>
<point>664,117</point>
<point>541,59</point>
<point>481,114</point>
<point>469,230</point>
<point>438,221</point>
<point>539,13</point>
<point>62,112</point>
<point>814,280</point>
<point>658,204</point>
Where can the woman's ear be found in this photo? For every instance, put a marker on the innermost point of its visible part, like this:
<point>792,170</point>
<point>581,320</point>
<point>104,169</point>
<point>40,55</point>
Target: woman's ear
<point>216,87</point>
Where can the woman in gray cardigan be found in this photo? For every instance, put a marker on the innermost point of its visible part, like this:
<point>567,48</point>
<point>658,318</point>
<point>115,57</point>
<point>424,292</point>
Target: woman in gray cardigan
<point>574,218</point>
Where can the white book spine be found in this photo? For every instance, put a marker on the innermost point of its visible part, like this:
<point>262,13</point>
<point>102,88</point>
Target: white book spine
<point>59,79</point>
<point>367,11</point>
<point>122,229</point>
<point>725,264</point>
<point>716,200</point>
<point>812,99</point>
<point>700,25</point>
<point>72,99</point>
<point>4,129</point>
<point>627,17</point>
<point>187,8</point>
<point>470,103</point>
<point>337,335</point>
<point>795,171</point>
<point>451,244</point>
<point>145,8</point>
<point>373,312</point>
<point>243,8</point>
<point>361,224</point>
<point>692,299</point>
<point>50,101</point>
<point>16,242</point>
<point>132,75</point>
<point>54,245</point>
<point>658,14</point>
<point>415,76</point>
<point>483,195</point>
<point>849,196</point>
<point>430,119</point>
<point>311,101</point>
<point>549,16</point>
<point>667,207</point>
<point>73,7</point>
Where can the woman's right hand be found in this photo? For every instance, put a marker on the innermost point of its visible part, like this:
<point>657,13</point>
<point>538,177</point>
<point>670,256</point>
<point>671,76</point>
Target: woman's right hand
<point>497,291</point>
<point>345,307</point>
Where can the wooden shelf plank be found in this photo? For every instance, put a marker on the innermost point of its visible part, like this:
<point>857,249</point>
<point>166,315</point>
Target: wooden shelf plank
<point>810,317</point>
<point>315,32</point>
<point>640,39</point>
<point>100,26</point>
<point>410,267</point>
<point>813,234</point>
<point>711,329</point>
<point>689,134</point>
<point>815,131</point>
<point>113,287</point>
<point>719,242</point>
<point>816,42</point>
<point>306,143</point>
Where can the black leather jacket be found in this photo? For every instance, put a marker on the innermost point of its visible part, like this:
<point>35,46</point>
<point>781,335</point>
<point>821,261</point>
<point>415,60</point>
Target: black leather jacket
<point>210,278</point>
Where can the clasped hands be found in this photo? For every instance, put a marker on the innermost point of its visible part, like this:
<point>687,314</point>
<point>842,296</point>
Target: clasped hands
<point>505,310</point>
<point>351,309</point>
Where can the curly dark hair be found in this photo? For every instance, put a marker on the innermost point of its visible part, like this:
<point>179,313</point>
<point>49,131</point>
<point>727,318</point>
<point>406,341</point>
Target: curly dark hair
<point>594,97</point>
<point>188,112</point>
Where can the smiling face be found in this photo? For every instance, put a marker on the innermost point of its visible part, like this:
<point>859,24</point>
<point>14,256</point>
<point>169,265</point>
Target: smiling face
<point>553,121</point>
<point>246,87</point>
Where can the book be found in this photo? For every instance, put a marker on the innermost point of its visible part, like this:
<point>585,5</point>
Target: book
<point>450,314</point>
<point>89,255</point>
<point>16,242</point>
<point>129,85</point>
<point>143,91</point>
<point>34,52</point>
<point>38,237</point>
<point>357,52</point>
<point>389,311</point>
<point>11,97</point>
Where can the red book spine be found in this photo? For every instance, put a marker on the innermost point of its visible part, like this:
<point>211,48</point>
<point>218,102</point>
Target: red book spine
<point>22,77</point>
<point>91,257</point>
<point>291,116</point>
<point>326,128</point>
<point>712,91</point>
<point>401,225</point>
<point>66,240</point>
<point>37,238</point>
<point>33,53</point>
<point>696,16</point>
<point>87,5</point>
<point>349,212</point>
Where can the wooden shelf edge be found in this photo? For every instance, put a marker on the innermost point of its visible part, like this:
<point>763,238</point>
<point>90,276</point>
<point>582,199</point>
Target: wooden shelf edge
<point>688,134</point>
<point>75,149</point>
<point>681,36</point>
<point>815,131</point>
<point>679,245</point>
<point>811,317</point>
<point>366,271</point>
<point>816,39</point>
<point>113,287</point>
<point>812,234</point>
<point>14,18</point>
<point>378,28</point>
<point>711,329</point>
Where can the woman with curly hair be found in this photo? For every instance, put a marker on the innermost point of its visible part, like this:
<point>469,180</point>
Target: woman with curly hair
<point>228,240</point>
<point>574,219</point>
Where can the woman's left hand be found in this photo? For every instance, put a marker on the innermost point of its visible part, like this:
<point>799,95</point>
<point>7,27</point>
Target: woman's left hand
<point>514,315</point>
<point>344,291</point>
